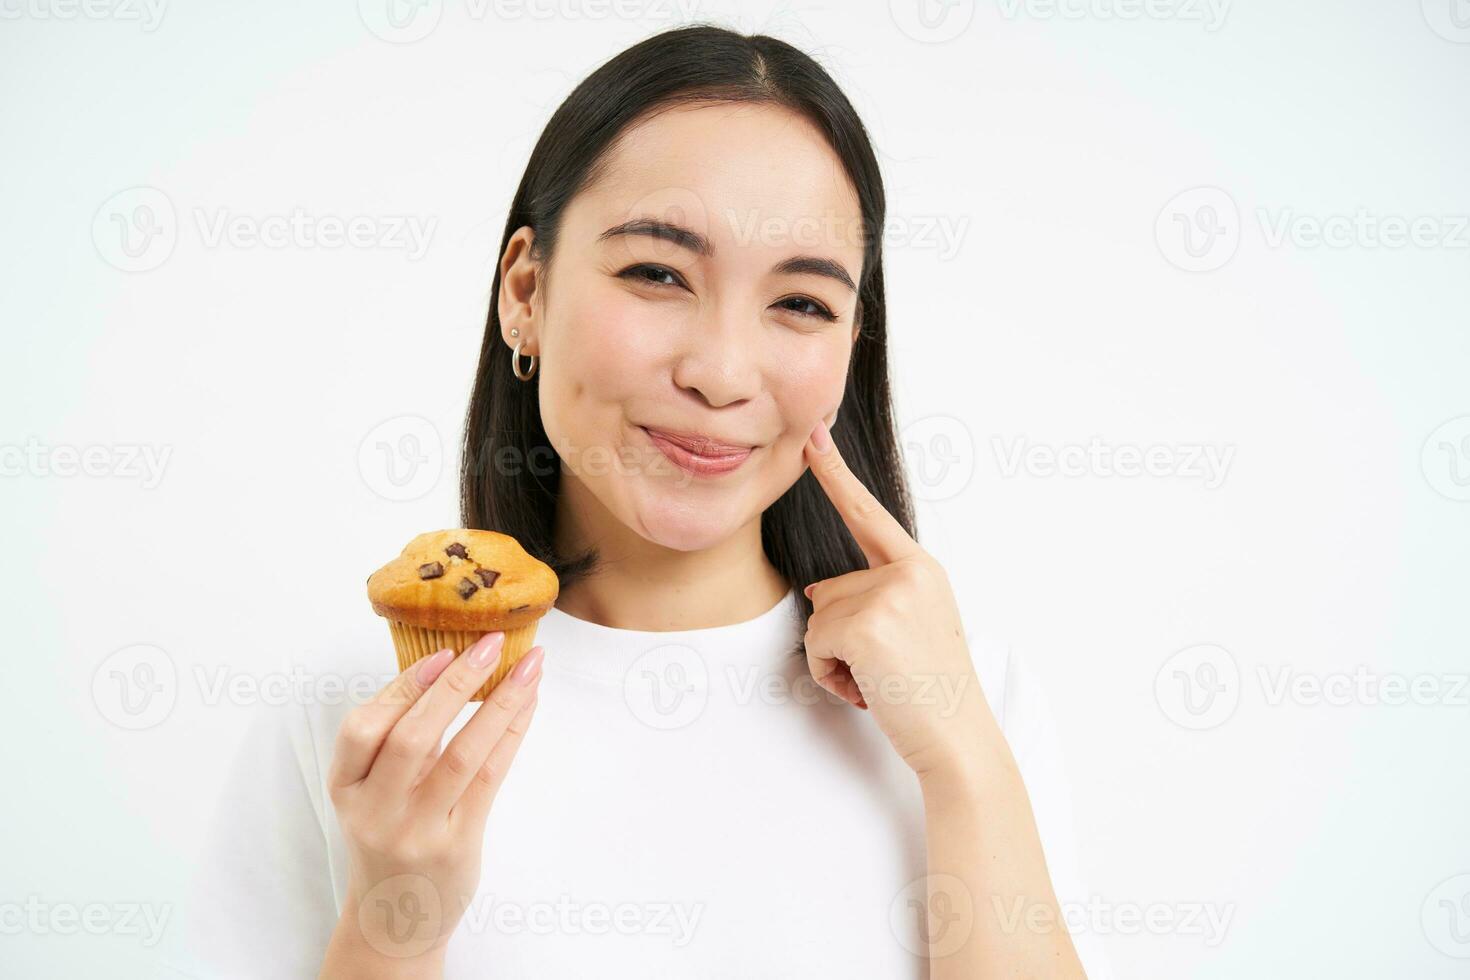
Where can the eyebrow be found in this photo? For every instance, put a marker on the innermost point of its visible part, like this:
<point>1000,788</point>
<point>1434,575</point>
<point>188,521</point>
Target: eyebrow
<point>697,243</point>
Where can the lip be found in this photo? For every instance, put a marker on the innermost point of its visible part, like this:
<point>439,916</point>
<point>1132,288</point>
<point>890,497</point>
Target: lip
<point>698,454</point>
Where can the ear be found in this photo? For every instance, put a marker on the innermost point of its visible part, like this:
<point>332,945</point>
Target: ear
<point>520,275</point>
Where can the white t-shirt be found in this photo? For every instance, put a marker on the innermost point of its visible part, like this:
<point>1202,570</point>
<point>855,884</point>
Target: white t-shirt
<point>686,804</point>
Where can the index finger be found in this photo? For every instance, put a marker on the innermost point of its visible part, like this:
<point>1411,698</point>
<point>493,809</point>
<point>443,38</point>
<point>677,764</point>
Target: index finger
<point>880,535</point>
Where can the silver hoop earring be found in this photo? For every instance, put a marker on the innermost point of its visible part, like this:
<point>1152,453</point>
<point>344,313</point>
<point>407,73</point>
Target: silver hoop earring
<point>515,362</point>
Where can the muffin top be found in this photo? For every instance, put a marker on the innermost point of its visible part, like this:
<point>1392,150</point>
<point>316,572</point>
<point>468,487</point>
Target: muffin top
<point>463,579</point>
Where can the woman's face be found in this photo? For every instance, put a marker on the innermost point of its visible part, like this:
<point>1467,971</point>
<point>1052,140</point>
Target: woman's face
<point>674,305</point>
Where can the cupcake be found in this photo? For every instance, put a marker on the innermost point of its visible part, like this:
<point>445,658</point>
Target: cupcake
<point>449,588</point>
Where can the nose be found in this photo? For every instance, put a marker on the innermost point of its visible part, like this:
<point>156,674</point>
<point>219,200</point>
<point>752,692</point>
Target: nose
<point>719,359</point>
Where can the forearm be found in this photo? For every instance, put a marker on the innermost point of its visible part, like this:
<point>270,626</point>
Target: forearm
<point>992,909</point>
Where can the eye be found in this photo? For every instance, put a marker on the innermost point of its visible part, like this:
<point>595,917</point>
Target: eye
<point>816,309</point>
<point>651,275</point>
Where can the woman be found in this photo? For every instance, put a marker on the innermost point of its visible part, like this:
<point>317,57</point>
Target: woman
<point>768,747</point>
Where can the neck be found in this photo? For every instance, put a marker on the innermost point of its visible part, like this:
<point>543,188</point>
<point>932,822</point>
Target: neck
<point>640,585</point>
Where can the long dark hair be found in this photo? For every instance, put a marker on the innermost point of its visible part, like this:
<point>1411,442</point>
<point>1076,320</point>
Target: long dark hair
<point>803,536</point>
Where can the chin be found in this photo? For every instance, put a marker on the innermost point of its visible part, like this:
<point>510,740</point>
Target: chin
<point>681,525</point>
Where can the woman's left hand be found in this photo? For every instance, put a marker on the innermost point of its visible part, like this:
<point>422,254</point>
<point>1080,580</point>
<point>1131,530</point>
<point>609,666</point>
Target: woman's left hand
<point>888,637</point>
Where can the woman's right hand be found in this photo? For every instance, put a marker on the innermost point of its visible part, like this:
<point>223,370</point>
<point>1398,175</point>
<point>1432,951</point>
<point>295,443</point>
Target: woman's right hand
<point>413,817</point>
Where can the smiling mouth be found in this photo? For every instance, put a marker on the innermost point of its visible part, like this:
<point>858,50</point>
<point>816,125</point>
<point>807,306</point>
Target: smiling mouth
<point>698,454</point>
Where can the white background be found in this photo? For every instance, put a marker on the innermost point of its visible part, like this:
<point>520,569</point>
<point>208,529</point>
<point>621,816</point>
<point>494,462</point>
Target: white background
<point>1042,295</point>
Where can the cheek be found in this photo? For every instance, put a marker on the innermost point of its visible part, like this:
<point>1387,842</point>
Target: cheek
<point>602,356</point>
<point>808,379</point>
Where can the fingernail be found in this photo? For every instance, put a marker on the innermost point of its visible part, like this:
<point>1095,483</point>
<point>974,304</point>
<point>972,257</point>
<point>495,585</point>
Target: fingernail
<point>526,669</point>
<point>486,649</point>
<point>808,590</point>
<point>821,438</point>
<point>431,666</point>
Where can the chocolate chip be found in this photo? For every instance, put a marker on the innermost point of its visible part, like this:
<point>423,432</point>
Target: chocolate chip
<point>456,550</point>
<point>519,608</point>
<point>467,588</point>
<point>432,570</point>
<point>487,576</point>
